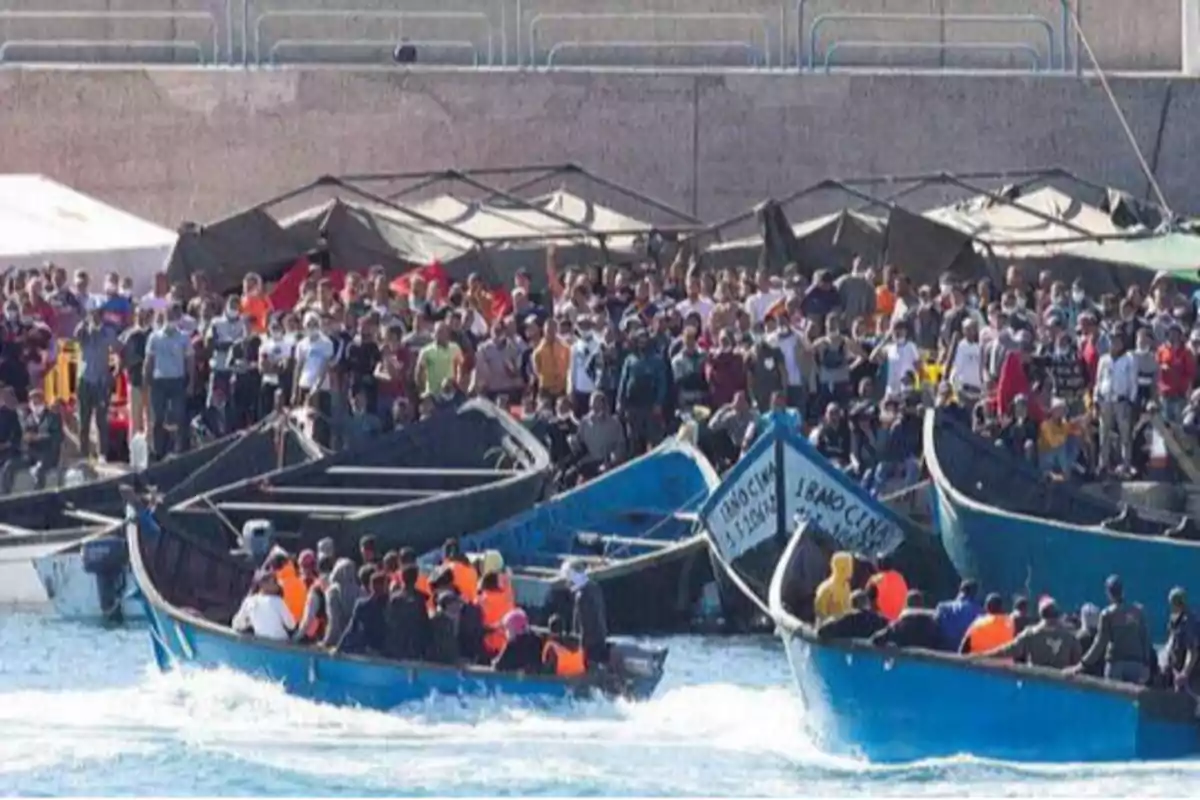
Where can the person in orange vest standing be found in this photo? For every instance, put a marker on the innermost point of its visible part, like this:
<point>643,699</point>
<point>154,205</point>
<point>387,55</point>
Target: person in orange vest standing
<point>992,630</point>
<point>558,657</point>
<point>494,603</point>
<point>314,572</point>
<point>295,592</point>
<point>466,579</point>
<point>890,587</point>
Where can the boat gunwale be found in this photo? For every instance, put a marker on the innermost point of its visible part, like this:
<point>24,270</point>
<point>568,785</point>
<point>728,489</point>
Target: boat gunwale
<point>181,616</point>
<point>538,467</point>
<point>942,483</point>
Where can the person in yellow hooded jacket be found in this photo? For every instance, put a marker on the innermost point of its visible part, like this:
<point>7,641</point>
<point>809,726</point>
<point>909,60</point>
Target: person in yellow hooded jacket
<point>833,595</point>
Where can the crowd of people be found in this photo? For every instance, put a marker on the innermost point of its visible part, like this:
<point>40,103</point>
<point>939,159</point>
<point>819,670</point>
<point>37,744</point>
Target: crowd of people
<point>460,613</point>
<point>603,362</point>
<point>1114,642</point>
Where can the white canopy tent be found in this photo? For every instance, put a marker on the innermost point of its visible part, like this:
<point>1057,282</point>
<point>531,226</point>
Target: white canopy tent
<point>42,220</point>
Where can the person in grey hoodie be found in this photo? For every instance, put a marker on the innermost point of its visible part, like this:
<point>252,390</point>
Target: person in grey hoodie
<point>344,591</point>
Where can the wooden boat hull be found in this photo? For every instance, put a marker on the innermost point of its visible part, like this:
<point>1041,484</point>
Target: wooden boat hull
<point>661,567</point>
<point>893,705</point>
<point>1012,552</point>
<point>184,638</point>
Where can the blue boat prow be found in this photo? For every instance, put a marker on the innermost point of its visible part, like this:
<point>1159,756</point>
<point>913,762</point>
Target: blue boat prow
<point>191,591</point>
<point>1014,530</point>
<point>635,529</point>
<point>782,478</point>
<point>892,705</point>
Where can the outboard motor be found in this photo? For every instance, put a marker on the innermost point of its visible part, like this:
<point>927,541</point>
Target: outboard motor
<point>635,668</point>
<point>108,559</point>
<point>257,538</point>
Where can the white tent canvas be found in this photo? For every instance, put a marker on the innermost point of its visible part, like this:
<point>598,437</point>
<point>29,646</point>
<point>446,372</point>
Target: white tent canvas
<point>42,220</point>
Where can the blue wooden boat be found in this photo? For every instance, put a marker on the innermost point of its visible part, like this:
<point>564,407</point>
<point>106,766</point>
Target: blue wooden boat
<point>891,705</point>
<point>449,475</point>
<point>634,528</point>
<point>191,591</point>
<point>782,479</point>
<point>1008,526</point>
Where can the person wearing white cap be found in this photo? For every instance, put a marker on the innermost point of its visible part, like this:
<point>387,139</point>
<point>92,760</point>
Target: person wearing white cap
<point>1058,441</point>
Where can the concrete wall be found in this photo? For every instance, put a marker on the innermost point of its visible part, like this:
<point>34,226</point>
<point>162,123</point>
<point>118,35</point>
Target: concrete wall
<point>1142,35</point>
<point>175,144</point>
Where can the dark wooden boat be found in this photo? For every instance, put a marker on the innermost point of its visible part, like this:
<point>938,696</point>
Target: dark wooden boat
<point>1007,525</point>
<point>451,474</point>
<point>191,590</point>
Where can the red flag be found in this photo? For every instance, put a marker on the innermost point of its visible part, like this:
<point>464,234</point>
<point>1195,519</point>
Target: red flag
<point>286,293</point>
<point>1014,381</point>
<point>502,303</point>
<point>434,273</point>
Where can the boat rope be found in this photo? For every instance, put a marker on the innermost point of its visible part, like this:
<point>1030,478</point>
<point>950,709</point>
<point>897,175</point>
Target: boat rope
<point>1069,10</point>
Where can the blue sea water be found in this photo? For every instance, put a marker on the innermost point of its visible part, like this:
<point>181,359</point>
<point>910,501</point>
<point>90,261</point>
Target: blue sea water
<point>83,712</point>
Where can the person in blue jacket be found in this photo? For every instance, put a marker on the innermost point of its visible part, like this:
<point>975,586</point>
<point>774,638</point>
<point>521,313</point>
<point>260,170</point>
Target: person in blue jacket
<point>642,394</point>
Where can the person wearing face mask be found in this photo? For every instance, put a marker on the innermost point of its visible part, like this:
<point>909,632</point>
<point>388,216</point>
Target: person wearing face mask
<point>834,355</point>
<point>314,360</point>
<point>1115,395</point>
<point>94,386</point>
<point>900,356</point>
<point>1145,359</point>
<point>274,365</point>
<point>169,371</point>
<point>116,310</point>
<point>582,371</point>
<point>222,334</point>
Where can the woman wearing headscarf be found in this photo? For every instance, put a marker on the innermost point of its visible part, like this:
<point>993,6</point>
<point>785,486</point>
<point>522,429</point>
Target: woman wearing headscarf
<point>1089,625</point>
<point>523,651</point>
<point>344,591</point>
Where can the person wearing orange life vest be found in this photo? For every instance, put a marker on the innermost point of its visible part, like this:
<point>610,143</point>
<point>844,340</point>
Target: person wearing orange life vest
<point>494,603</point>
<point>890,587</point>
<point>465,578</point>
<point>493,561</point>
<point>295,593</point>
<point>992,630</point>
<point>558,657</point>
<point>315,621</point>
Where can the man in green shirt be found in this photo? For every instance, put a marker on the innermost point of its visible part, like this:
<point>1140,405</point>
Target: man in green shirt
<point>438,361</point>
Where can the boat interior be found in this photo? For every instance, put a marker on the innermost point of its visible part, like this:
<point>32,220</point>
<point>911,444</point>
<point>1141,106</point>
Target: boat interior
<point>992,476</point>
<point>443,457</point>
<point>235,457</point>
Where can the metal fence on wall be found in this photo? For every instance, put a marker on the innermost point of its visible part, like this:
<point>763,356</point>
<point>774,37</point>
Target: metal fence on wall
<point>796,35</point>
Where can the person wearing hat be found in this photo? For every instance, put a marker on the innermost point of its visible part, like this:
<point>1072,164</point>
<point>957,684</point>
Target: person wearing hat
<point>1058,441</point>
<point>1183,644</point>
<point>1122,640</point>
<point>1048,643</point>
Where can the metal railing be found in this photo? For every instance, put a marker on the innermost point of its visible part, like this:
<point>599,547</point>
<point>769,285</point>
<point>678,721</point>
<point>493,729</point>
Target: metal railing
<point>398,17</point>
<point>368,44</point>
<point>206,17</point>
<point>759,22</point>
<point>755,57</point>
<point>807,41</point>
<point>941,47</point>
<point>104,44</point>
<point>822,20</point>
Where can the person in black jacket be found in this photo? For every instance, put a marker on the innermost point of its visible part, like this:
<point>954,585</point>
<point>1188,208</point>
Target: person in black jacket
<point>367,631</point>
<point>915,627</point>
<point>10,438</point>
<point>861,622</point>
<point>443,629</point>
<point>523,652</point>
<point>590,618</point>
<point>409,630</point>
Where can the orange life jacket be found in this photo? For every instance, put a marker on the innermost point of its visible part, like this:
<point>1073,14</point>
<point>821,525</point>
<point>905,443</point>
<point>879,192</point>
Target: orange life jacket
<point>568,661</point>
<point>989,632</point>
<point>892,593</point>
<point>295,593</point>
<point>466,581</point>
<point>493,605</point>
<point>315,631</point>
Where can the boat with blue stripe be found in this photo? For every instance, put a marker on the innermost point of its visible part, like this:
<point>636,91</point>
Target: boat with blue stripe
<point>781,479</point>
<point>1014,530</point>
<point>894,705</point>
<point>191,591</point>
<point>634,528</point>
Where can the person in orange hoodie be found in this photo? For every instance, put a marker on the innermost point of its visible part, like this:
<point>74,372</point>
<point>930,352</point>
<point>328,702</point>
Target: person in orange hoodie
<point>890,587</point>
<point>994,629</point>
<point>295,591</point>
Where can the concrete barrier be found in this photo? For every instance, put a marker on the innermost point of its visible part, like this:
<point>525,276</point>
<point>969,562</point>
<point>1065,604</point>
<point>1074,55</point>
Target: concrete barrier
<point>174,144</point>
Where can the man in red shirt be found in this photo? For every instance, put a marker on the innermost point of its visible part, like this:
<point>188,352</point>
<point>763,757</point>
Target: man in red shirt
<point>1176,373</point>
